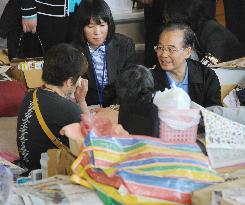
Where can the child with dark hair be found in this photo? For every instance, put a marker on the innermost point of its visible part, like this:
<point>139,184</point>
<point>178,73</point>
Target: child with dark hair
<point>136,85</point>
<point>108,53</point>
<point>137,113</point>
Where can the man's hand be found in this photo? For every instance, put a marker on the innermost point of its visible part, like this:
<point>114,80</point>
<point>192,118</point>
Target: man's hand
<point>29,25</point>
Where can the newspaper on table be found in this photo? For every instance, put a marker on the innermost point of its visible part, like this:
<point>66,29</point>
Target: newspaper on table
<point>51,191</point>
<point>3,75</point>
<point>15,169</point>
<point>234,196</point>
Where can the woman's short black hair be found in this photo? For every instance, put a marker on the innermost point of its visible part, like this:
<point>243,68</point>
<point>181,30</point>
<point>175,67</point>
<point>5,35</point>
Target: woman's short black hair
<point>135,85</point>
<point>62,62</point>
<point>190,12</point>
<point>97,10</point>
<point>189,35</point>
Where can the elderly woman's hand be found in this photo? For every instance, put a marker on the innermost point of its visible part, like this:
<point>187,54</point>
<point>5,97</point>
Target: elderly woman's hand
<point>80,94</point>
<point>81,90</point>
<point>73,132</point>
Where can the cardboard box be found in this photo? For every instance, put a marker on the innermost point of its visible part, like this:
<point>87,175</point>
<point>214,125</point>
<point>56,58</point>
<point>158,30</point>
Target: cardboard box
<point>59,162</point>
<point>229,78</point>
<point>32,78</point>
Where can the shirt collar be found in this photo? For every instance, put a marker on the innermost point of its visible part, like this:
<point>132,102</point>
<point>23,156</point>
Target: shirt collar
<point>100,49</point>
<point>184,82</point>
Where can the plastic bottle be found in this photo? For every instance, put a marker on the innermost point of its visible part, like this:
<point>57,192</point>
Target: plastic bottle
<point>44,164</point>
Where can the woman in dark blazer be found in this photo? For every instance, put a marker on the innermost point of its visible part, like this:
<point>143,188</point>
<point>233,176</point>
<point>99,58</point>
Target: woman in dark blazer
<point>108,53</point>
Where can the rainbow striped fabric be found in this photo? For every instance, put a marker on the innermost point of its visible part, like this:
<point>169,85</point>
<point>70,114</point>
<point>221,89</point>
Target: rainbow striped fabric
<point>142,169</point>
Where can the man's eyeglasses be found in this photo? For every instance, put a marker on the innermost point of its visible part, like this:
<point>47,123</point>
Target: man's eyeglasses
<point>169,49</point>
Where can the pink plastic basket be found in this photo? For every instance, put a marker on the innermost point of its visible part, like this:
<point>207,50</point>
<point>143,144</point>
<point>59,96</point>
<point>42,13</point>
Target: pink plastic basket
<point>170,135</point>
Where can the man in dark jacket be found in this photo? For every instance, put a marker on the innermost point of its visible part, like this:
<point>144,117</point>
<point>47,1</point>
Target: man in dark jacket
<point>174,67</point>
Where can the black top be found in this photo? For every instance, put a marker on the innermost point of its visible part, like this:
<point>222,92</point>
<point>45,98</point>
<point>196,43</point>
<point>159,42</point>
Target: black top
<point>204,86</point>
<point>57,112</point>
<point>120,56</point>
<point>57,8</point>
<point>219,41</point>
<point>139,118</point>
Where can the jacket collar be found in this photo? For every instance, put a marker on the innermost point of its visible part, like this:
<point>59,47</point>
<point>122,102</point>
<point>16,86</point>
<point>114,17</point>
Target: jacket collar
<point>160,76</point>
<point>194,74</point>
<point>112,53</point>
<point>112,57</point>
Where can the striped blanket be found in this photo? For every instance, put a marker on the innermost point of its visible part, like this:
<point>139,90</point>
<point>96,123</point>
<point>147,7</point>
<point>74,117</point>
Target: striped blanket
<point>142,170</point>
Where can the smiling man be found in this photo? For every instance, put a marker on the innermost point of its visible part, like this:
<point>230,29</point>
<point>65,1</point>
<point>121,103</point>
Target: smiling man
<point>175,68</point>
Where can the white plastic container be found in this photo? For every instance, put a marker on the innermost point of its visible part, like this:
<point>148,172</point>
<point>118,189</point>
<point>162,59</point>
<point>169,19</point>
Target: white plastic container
<point>120,6</point>
<point>6,184</point>
<point>44,164</point>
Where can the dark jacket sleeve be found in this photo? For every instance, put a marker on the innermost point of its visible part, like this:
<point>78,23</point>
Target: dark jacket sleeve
<point>130,54</point>
<point>212,88</point>
<point>28,8</point>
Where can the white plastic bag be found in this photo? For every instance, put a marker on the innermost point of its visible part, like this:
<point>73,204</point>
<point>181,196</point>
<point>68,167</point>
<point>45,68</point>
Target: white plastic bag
<point>6,184</point>
<point>175,98</point>
<point>174,109</point>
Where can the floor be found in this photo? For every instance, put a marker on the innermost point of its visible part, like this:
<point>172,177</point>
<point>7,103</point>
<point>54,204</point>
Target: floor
<point>8,135</point>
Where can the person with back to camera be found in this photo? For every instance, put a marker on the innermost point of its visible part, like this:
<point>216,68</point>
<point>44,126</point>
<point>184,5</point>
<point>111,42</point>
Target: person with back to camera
<point>137,113</point>
<point>63,66</point>
<point>173,50</point>
<point>211,36</point>
<point>108,53</point>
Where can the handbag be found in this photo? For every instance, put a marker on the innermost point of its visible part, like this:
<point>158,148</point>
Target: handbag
<point>27,70</point>
<point>64,149</point>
